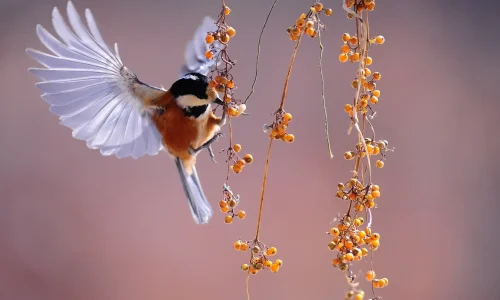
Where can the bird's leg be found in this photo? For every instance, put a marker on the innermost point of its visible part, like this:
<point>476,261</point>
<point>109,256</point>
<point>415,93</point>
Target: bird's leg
<point>206,144</point>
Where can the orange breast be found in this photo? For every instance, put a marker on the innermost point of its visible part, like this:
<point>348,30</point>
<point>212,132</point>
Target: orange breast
<point>177,130</point>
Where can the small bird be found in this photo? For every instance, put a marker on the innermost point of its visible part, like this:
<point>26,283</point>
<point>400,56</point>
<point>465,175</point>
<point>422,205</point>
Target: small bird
<point>107,106</point>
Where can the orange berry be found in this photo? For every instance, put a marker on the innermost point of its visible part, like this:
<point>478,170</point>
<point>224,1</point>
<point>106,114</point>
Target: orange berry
<point>230,84</point>
<point>349,245</point>
<point>376,93</point>
<point>371,6</point>
<point>346,37</point>
<point>379,164</point>
<point>370,275</point>
<point>213,83</point>
<point>268,263</point>
<point>364,251</point>
<point>353,40</point>
<point>296,31</point>
<point>385,280</point>
<point>377,76</point>
<point>354,57</point>
<point>363,103</point>
<point>349,256</point>
<point>227,10</point>
<point>335,262</point>
<point>209,39</point>
<point>248,158</point>
<point>232,111</point>
<point>345,48</point>
<point>241,214</point>
<point>223,203</point>
<point>375,187</point>
<point>310,31</point>
<point>271,251</point>
<point>237,147</point>
<point>368,60</point>
<point>237,245</point>
<point>287,117</point>
<point>244,247</point>
<point>367,71</point>
<point>373,100</point>
<point>370,204</point>
<point>289,138</point>
<point>227,98</point>
<point>349,155</point>
<point>275,268</point>
<point>253,270</point>
<point>369,149</point>
<point>343,57</point>
<point>375,236</point>
<point>347,107</point>
<point>230,31</point>
<point>328,12</point>
<point>300,22</point>
<point>375,194</point>
<point>359,296</point>
<point>245,267</point>
<point>374,245</point>
<point>380,40</point>
<point>224,209</point>
<point>362,234</point>
<point>279,262</point>
<point>334,231</point>
<point>309,24</point>
<point>228,219</point>
<point>240,162</point>
<point>236,168</point>
<point>318,6</point>
<point>368,231</point>
<point>209,54</point>
<point>225,38</point>
<point>358,207</point>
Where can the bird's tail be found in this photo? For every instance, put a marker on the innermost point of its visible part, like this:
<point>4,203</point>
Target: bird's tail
<point>198,203</point>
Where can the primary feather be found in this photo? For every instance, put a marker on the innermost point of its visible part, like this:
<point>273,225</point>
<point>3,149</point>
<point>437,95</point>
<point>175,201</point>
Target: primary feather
<point>92,92</point>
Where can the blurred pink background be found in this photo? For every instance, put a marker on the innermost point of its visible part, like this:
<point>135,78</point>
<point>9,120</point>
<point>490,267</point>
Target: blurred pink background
<point>76,225</point>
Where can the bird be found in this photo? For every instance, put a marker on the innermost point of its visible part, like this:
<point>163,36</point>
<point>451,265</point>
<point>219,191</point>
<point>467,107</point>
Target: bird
<point>105,104</point>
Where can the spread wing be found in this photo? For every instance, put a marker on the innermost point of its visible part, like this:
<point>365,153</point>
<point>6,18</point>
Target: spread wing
<point>92,92</point>
<point>194,55</point>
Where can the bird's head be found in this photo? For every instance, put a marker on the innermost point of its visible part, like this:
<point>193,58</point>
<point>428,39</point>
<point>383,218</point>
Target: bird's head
<point>193,89</point>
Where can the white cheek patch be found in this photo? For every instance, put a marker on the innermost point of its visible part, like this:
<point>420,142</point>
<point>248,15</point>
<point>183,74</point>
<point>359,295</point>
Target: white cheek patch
<point>191,100</point>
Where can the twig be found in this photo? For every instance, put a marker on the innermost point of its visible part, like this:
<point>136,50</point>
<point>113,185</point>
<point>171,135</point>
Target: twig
<point>258,53</point>
<point>323,94</point>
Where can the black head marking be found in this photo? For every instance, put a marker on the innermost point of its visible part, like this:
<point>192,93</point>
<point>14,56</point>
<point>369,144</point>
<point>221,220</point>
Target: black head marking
<point>195,84</point>
<point>195,111</point>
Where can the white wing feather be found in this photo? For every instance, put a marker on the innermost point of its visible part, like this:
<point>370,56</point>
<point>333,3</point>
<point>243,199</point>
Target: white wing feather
<point>194,55</point>
<point>92,92</point>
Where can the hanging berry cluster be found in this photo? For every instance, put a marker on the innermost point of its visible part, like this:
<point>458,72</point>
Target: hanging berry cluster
<point>352,238</point>
<point>222,80</point>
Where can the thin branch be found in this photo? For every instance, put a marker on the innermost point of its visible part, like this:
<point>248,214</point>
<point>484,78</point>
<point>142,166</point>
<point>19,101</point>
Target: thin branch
<point>258,53</point>
<point>323,93</point>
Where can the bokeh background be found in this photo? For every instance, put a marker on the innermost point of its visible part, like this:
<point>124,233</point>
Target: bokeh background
<point>76,225</point>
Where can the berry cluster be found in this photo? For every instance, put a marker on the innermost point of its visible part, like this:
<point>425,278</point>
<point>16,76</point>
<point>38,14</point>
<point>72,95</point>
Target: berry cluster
<point>277,130</point>
<point>371,148</point>
<point>239,162</point>
<point>309,23</point>
<point>228,205</point>
<point>222,80</point>
<point>352,240</point>
<point>260,256</point>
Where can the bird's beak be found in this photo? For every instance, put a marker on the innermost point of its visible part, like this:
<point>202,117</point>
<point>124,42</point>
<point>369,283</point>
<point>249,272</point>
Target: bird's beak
<point>218,101</point>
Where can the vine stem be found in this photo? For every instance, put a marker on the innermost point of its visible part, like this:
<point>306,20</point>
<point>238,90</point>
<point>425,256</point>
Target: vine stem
<point>266,167</point>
